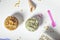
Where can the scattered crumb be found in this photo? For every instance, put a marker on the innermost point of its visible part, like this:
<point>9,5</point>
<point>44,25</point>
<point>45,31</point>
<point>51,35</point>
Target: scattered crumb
<point>46,28</point>
<point>17,4</point>
<point>21,10</point>
<point>32,6</point>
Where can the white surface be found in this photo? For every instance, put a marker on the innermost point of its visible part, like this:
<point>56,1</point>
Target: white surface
<point>7,8</point>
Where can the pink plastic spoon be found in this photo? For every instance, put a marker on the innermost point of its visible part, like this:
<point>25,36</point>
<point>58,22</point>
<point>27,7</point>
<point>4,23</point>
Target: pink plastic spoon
<point>53,23</point>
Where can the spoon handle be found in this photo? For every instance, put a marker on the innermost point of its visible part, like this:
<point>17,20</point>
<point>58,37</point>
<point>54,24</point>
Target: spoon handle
<point>53,23</point>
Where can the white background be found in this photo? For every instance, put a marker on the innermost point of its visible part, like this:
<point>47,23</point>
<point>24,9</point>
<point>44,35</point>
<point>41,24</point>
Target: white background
<point>7,8</point>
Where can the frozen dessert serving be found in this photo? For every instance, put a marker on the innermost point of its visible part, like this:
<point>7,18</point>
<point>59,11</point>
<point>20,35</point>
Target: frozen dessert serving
<point>32,24</point>
<point>11,23</point>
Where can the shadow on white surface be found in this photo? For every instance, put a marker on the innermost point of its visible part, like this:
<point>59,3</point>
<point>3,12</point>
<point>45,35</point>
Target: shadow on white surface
<point>52,33</point>
<point>19,16</point>
<point>39,17</point>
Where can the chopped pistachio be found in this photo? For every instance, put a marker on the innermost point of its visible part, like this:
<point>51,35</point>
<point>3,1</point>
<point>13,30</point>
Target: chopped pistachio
<point>32,24</point>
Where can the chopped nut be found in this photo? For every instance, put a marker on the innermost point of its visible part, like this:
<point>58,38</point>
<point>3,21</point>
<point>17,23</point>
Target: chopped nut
<point>32,6</point>
<point>47,27</point>
<point>17,4</point>
<point>21,10</point>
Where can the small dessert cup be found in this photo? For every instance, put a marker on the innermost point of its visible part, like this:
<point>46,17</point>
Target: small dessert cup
<point>33,23</point>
